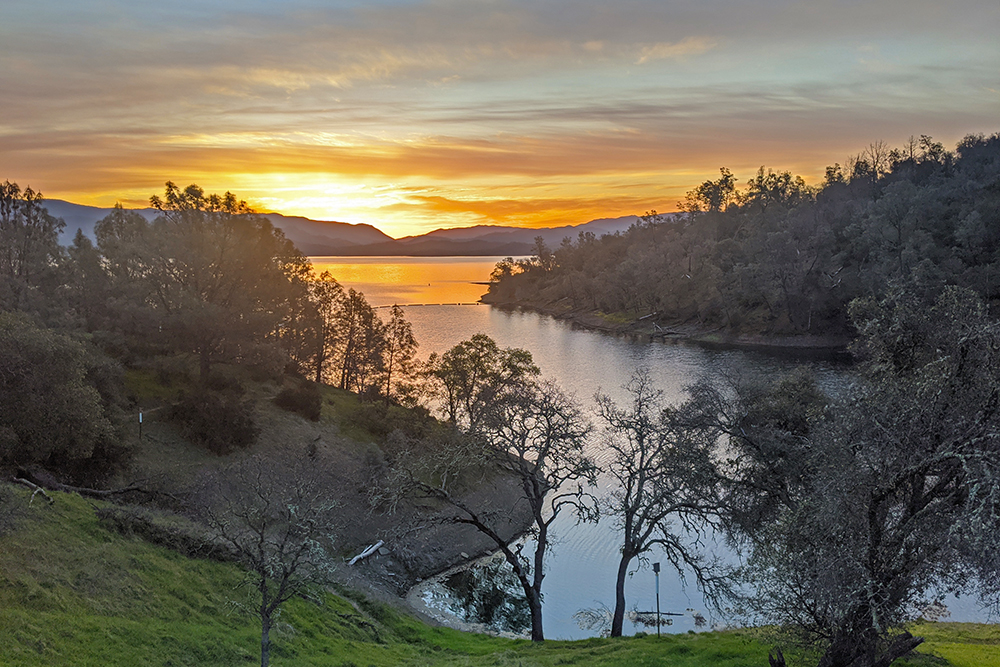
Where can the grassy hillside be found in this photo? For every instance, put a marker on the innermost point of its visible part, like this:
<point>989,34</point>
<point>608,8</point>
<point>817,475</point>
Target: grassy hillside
<point>75,593</point>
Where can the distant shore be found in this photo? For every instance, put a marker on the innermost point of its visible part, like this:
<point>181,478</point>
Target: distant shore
<point>686,332</point>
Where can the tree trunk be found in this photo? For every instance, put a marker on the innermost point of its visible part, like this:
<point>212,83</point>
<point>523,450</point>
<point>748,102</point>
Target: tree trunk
<point>265,639</point>
<point>388,378</point>
<point>535,604</point>
<point>862,649</point>
<point>618,620</point>
<point>320,359</point>
<point>535,599</point>
<point>898,648</point>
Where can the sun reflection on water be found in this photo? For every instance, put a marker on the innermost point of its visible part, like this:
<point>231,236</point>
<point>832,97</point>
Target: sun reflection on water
<point>411,280</point>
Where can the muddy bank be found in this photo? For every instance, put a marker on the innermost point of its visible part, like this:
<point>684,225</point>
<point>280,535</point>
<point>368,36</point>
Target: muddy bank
<point>420,546</point>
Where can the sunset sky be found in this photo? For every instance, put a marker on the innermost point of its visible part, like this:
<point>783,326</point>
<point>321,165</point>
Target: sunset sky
<point>418,115</point>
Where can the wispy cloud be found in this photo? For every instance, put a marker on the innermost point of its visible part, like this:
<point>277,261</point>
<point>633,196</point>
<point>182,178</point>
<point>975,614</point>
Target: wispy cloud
<point>689,46</point>
<point>467,108</point>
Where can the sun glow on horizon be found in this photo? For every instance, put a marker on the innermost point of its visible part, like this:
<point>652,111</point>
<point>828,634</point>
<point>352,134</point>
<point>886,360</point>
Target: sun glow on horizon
<point>423,115</point>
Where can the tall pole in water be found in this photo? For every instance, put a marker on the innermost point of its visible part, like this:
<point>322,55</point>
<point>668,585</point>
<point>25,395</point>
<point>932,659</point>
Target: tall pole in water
<point>656,571</point>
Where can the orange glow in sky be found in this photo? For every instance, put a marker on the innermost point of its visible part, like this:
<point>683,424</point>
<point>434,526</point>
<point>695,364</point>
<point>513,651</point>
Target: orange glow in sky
<point>416,115</point>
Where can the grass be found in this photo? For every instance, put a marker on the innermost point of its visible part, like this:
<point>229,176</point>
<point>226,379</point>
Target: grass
<point>74,593</point>
<point>619,317</point>
<point>961,644</point>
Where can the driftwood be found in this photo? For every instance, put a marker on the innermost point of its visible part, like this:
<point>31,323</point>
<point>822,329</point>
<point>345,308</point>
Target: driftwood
<point>35,489</point>
<point>366,553</point>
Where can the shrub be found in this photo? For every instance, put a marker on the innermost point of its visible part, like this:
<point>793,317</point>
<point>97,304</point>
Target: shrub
<point>62,403</point>
<point>304,399</point>
<point>220,422</point>
<point>174,533</point>
<point>224,383</point>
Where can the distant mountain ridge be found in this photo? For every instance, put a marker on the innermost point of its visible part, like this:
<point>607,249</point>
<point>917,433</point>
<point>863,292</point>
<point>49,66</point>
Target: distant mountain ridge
<point>317,237</point>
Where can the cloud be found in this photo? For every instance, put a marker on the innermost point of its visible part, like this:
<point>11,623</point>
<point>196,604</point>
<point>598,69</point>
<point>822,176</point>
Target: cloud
<point>689,46</point>
<point>448,96</point>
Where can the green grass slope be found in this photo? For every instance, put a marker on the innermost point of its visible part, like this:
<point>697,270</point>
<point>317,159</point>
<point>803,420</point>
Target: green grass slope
<point>74,593</point>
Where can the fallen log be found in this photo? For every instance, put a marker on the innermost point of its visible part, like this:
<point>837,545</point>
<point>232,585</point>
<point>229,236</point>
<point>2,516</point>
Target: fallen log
<point>100,494</point>
<point>35,490</point>
<point>366,553</point>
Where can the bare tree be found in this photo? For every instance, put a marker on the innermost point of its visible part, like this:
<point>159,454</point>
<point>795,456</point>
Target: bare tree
<point>664,481</point>
<point>274,512</point>
<point>534,434</point>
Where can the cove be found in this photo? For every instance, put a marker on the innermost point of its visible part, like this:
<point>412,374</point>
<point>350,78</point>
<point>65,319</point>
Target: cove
<point>583,559</point>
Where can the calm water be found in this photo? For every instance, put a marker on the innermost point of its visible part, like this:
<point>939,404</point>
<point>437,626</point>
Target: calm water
<point>411,280</point>
<point>583,559</point>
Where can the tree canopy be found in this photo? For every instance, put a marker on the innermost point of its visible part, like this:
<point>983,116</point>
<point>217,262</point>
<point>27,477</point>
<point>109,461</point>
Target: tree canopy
<point>855,512</point>
<point>779,257</point>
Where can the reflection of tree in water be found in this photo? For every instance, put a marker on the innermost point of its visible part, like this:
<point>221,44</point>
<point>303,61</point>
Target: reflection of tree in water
<point>491,595</point>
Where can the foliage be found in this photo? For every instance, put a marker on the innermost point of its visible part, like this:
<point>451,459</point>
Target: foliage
<point>29,248</point>
<point>854,512</point>
<point>400,348</point>
<point>222,422</point>
<point>354,349</point>
<point>61,403</point>
<point>207,276</point>
<point>475,375</point>
<point>327,297</point>
<point>363,341</point>
<point>780,257</point>
<point>304,399</point>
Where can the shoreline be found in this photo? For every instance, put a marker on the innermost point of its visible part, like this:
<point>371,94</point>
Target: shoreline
<point>432,547</point>
<point>686,333</point>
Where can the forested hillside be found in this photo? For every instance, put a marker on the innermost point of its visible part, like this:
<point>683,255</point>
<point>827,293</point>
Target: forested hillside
<point>775,256</point>
<point>207,283</point>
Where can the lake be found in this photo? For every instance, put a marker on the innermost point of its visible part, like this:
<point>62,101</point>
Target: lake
<point>583,558</point>
<point>411,280</point>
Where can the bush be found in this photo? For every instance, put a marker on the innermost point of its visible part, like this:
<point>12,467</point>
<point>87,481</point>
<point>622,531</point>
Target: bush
<point>305,400</point>
<point>222,423</point>
<point>62,403</point>
<point>224,383</point>
<point>380,420</point>
<point>174,533</point>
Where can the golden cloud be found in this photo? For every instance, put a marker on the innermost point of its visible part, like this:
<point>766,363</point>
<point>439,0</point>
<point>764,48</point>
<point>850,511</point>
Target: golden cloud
<point>689,46</point>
